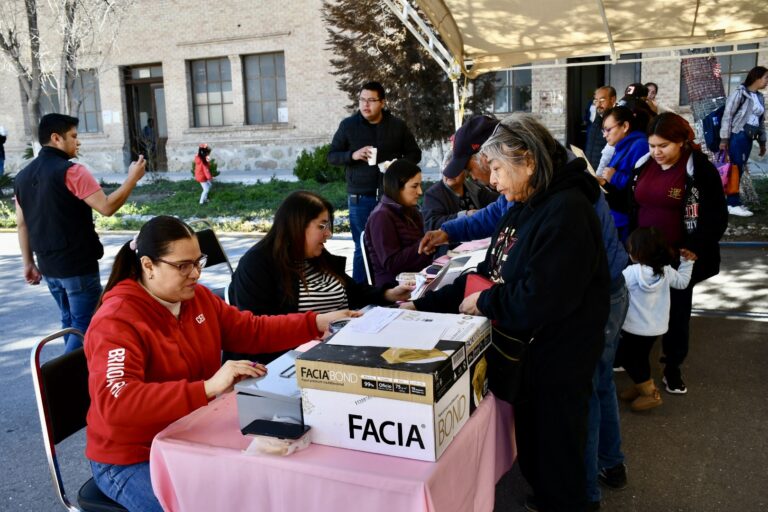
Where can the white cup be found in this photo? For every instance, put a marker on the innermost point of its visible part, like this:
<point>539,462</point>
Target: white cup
<point>372,157</point>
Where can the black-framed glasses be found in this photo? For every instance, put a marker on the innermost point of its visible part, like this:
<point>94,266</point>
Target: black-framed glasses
<point>369,101</point>
<point>185,267</point>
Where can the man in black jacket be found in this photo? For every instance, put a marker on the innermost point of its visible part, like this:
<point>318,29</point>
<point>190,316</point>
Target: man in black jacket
<point>364,139</point>
<point>54,202</point>
<point>605,98</point>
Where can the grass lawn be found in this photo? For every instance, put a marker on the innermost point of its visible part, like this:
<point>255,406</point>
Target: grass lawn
<point>249,208</point>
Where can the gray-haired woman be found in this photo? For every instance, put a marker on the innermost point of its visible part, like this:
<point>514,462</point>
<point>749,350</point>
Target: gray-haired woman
<point>550,282</point>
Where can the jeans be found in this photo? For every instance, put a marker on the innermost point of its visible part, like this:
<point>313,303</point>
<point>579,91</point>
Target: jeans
<point>206,188</point>
<point>674,343</point>
<point>77,298</point>
<point>360,207</point>
<point>128,485</point>
<point>603,434</point>
<point>739,148</point>
<point>2,166</point>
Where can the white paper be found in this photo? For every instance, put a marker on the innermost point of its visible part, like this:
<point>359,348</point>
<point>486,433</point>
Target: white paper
<point>374,320</point>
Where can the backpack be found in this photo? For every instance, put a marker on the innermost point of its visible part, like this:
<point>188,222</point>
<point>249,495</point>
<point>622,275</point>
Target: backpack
<point>711,127</point>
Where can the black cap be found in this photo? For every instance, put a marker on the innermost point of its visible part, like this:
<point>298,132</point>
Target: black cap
<point>636,90</point>
<point>467,142</point>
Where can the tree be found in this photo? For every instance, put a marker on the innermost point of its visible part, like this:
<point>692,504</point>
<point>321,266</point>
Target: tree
<point>73,28</point>
<point>372,44</point>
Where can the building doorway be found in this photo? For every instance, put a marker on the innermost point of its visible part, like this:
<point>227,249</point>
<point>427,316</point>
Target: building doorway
<point>147,122</point>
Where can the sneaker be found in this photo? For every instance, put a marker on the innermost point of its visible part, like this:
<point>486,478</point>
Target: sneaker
<point>739,211</point>
<point>674,384</point>
<point>618,369</point>
<point>615,477</point>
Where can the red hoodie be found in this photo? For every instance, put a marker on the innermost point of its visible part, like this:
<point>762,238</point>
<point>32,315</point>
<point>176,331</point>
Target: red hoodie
<point>146,368</point>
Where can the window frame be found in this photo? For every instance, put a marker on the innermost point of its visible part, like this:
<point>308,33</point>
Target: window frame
<point>226,107</point>
<point>509,87</point>
<point>250,81</point>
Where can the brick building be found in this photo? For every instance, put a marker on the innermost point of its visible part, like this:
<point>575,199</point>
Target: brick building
<point>259,92</point>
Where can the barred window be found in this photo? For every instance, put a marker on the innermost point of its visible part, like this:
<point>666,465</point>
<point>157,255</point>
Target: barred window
<point>212,92</point>
<point>513,91</point>
<point>265,92</point>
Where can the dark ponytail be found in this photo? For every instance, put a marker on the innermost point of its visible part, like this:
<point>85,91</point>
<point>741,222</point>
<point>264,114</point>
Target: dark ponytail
<point>153,241</point>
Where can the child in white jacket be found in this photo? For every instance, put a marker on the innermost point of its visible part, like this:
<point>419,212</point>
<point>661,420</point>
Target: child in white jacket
<point>648,281</point>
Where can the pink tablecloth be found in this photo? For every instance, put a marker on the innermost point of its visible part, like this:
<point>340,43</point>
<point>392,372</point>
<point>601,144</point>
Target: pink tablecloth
<point>198,463</point>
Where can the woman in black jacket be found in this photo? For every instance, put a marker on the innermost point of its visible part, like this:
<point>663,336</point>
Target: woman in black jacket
<point>677,190</point>
<point>548,281</point>
<point>290,270</point>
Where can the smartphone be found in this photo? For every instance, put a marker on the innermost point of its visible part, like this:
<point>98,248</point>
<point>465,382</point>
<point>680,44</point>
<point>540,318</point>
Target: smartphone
<point>433,270</point>
<point>275,429</point>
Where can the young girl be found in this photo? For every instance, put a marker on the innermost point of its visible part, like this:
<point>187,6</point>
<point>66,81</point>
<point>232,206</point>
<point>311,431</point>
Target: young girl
<point>648,281</point>
<point>203,171</point>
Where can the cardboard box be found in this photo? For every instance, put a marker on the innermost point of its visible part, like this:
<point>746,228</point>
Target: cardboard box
<point>273,396</point>
<point>409,429</point>
<point>416,357</point>
<point>478,371</point>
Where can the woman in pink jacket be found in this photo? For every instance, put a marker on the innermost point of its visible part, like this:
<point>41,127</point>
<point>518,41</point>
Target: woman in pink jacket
<point>154,353</point>
<point>203,170</point>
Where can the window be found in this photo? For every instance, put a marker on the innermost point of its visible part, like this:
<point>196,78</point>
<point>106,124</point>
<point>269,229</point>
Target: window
<point>621,74</point>
<point>513,91</point>
<point>733,69</point>
<point>265,94</point>
<point>86,92</point>
<point>212,92</point>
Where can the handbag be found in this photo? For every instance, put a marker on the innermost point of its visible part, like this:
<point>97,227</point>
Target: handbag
<point>723,167</point>
<point>506,357</point>
<point>732,187</point>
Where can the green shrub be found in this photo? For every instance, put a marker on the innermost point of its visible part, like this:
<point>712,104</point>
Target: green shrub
<point>212,166</point>
<point>313,165</point>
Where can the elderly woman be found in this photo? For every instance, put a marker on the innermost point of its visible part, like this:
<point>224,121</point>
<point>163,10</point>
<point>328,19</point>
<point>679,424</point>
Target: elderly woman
<point>744,122</point>
<point>154,353</point>
<point>625,133</point>
<point>291,271</point>
<point>678,191</point>
<point>395,227</point>
<point>549,295</point>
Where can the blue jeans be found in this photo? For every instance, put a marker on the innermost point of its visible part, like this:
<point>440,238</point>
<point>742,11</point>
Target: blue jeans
<point>603,434</point>
<point>2,166</point>
<point>739,148</point>
<point>360,207</point>
<point>128,485</point>
<point>77,298</point>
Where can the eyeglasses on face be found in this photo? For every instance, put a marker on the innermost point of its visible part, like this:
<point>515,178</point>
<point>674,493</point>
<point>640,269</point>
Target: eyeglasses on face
<point>325,226</point>
<point>606,131</point>
<point>185,267</point>
<point>369,101</point>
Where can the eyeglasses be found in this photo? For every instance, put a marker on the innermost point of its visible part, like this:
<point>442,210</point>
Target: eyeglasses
<point>368,101</point>
<point>325,226</point>
<point>185,267</point>
<point>606,131</point>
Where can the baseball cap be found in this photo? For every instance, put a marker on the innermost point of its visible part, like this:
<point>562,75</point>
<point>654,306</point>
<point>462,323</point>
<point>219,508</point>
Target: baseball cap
<point>467,142</point>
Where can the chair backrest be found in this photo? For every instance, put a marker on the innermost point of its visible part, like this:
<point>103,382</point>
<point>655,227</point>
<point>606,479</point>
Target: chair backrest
<point>61,389</point>
<point>366,258</point>
<point>210,245</point>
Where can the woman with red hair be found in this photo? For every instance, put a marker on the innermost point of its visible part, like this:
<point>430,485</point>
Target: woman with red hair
<point>677,190</point>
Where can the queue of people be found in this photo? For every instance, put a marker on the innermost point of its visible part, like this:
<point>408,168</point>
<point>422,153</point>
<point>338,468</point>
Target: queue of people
<point>565,299</point>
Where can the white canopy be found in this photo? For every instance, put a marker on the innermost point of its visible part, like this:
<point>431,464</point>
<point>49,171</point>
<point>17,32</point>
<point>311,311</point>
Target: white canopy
<point>498,34</point>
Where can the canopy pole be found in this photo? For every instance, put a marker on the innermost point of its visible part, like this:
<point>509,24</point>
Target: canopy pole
<point>456,113</point>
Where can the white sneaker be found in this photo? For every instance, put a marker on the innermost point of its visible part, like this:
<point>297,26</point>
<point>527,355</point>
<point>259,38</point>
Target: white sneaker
<point>739,211</point>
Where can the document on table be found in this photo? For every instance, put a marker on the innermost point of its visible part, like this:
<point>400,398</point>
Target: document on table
<point>403,329</point>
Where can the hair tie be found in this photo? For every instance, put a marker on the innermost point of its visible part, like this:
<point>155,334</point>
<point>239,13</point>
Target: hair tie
<point>133,245</point>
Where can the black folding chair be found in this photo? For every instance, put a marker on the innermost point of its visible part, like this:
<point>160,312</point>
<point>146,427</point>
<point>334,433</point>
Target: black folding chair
<point>210,245</point>
<point>61,389</point>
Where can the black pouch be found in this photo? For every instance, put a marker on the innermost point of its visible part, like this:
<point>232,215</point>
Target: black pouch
<point>752,132</point>
<point>505,359</point>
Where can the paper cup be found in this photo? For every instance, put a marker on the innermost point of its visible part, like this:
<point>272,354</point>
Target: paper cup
<point>372,157</point>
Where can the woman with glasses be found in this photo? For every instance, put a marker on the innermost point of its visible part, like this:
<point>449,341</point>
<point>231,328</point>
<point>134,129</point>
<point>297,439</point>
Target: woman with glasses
<point>395,227</point>
<point>154,353</point>
<point>290,270</point>
<point>548,297</point>
<point>626,134</point>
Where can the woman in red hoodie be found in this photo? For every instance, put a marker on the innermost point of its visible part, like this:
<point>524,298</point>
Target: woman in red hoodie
<point>154,353</point>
